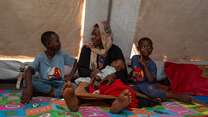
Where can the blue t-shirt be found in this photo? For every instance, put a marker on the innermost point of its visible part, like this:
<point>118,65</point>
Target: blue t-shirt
<point>52,67</point>
<point>150,64</point>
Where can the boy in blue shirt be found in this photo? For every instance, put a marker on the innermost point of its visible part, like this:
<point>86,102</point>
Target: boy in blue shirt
<point>146,74</point>
<point>50,68</point>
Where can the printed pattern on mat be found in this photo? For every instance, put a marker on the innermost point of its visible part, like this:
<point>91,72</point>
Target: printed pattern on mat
<point>10,106</point>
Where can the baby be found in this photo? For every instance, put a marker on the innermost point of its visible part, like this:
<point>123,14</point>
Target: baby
<point>106,75</point>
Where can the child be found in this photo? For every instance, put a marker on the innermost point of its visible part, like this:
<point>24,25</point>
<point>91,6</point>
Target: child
<point>50,68</point>
<point>105,75</point>
<point>107,84</point>
<point>143,64</point>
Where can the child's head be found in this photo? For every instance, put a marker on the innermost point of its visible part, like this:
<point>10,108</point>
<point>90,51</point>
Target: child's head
<point>51,41</point>
<point>145,46</point>
<point>118,64</point>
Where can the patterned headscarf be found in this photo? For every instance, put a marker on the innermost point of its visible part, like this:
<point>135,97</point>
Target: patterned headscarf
<point>106,38</point>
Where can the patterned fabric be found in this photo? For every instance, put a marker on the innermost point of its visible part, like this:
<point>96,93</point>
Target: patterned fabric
<point>137,74</point>
<point>108,70</point>
<point>54,74</point>
<point>50,107</point>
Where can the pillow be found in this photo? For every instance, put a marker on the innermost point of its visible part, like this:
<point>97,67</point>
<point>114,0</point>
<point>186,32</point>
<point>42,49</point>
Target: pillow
<point>160,70</point>
<point>9,69</point>
<point>186,78</point>
<point>161,64</point>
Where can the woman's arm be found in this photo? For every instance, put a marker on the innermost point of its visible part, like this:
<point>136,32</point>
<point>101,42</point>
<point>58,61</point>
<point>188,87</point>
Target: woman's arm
<point>71,75</point>
<point>84,62</point>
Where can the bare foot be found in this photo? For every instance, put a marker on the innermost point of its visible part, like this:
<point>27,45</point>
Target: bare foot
<point>26,95</point>
<point>184,98</point>
<point>121,102</point>
<point>70,97</point>
<point>180,97</point>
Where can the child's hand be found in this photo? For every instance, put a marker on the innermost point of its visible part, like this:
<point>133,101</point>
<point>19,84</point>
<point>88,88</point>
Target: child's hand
<point>142,61</point>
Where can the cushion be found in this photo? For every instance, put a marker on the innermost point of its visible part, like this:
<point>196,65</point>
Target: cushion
<point>160,70</point>
<point>9,69</point>
<point>186,78</point>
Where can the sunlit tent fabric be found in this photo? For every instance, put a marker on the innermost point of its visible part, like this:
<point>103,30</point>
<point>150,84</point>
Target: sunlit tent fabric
<point>178,28</point>
<point>22,22</point>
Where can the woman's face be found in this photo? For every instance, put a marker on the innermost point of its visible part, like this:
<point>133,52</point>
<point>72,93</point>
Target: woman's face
<point>96,37</point>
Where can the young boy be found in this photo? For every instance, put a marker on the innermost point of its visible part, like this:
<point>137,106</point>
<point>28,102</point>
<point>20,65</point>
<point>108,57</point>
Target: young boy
<point>50,68</point>
<point>147,67</point>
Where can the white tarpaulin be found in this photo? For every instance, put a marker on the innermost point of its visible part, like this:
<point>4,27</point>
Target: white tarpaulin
<point>23,21</point>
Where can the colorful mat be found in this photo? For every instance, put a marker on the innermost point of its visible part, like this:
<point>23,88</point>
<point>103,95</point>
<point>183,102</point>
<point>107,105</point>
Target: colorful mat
<point>49,107</point>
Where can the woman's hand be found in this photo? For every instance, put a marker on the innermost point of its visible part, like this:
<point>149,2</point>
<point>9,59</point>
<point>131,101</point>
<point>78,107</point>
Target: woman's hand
<point>89,45</point>
<point>94,73</point>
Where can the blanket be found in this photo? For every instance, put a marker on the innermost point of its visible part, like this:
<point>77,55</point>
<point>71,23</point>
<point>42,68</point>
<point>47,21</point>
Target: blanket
<point>186,78</point>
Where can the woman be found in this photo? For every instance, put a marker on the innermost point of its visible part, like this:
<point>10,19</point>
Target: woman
<point>100,52</point>
<point>95,55</point>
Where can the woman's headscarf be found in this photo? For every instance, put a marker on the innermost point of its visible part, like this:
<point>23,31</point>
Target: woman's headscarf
<point>106,38</point>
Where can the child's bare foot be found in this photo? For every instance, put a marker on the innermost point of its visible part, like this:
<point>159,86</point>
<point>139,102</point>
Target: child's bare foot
<point>180,97</point>
<point>121,102</point>
<point>184,98</point>
<point>26,95</point>
<point>70,97</point>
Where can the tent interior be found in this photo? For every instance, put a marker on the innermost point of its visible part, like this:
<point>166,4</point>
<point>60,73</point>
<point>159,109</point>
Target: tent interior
<point>177,29</point>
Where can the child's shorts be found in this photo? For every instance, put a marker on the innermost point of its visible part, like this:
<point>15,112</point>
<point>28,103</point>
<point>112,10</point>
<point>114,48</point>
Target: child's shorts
<point>45,86</point>
<point>150,89</point>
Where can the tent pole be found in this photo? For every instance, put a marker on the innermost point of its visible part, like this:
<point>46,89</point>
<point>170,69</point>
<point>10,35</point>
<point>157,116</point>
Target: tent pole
<point>109,10</point>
